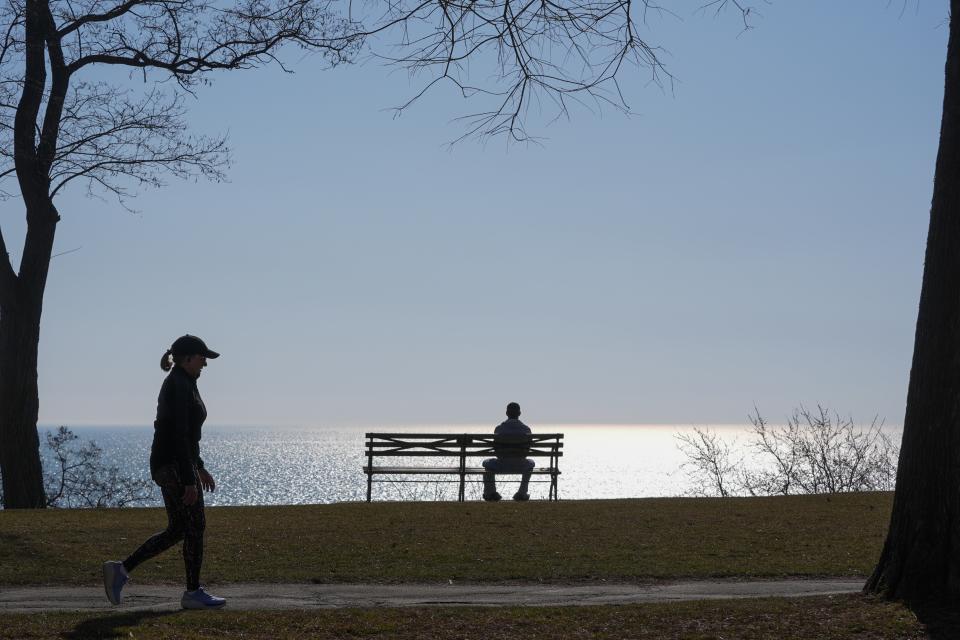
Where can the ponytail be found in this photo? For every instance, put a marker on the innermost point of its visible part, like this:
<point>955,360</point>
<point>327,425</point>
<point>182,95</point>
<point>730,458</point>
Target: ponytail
<point>165,362</point>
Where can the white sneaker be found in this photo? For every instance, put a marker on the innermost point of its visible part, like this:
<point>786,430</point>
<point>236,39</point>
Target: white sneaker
<point>114,577</point>
<point>200,599</point>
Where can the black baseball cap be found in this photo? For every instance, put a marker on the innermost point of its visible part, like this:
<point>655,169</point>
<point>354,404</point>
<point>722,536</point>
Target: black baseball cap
<point>189,345</point>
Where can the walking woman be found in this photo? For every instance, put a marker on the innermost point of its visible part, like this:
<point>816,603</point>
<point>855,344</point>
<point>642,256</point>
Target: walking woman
<point>176,466</point>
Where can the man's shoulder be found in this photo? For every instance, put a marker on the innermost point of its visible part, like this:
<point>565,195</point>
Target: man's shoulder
<point>512,426</point>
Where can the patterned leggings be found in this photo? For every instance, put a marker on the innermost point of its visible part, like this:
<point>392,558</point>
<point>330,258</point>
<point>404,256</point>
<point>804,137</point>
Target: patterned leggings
<point>183,523</point>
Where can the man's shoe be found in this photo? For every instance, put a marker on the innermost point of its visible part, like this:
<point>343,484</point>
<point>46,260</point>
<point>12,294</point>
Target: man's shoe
<point>521,497</point>
<point>114,577</point>
<point>491,497</point>
<point>200,599</point>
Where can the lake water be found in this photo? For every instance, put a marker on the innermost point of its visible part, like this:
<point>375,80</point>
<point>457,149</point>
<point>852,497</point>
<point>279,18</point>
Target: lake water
<point>324,465</point>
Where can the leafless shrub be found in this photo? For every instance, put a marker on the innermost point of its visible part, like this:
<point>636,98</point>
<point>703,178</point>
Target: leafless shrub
<point>80,478</point>
<point>426,489</point>
<point>814,452</point>
<point>708,462</point>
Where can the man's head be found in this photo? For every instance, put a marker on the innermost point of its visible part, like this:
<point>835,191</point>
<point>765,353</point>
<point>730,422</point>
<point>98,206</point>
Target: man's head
<point>513,410</point>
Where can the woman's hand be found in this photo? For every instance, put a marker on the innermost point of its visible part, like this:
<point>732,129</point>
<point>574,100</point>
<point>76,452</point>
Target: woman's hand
<point>206,480</point>
<point>189,494</point>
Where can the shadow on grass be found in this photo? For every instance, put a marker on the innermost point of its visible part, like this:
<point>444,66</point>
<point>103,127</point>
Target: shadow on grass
<point>942,620</point>
<point>109,626</point>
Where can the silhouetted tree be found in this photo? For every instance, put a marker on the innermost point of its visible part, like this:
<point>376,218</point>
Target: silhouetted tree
<point>66,125</point>
<point>62,124</point>
<point>920,561</point>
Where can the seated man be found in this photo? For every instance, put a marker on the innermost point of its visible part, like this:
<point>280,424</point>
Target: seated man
<point>511,443</point>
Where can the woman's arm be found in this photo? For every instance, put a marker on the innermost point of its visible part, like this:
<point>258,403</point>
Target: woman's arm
<point>182,394</point>
<point>206,480</point>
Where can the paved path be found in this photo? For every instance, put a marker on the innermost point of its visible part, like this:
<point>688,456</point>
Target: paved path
<point>318,596</point>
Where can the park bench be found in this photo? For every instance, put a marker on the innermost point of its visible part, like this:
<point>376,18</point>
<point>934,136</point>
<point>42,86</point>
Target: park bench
<point>460,449</point>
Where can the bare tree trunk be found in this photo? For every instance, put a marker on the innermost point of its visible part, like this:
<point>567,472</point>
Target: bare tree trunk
<point>920,562</point>
<point>21,294</point>
<point>19,402</point>
<point>19,342</point>
<point>21,305</point>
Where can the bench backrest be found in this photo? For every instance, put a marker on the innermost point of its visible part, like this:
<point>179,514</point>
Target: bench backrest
<point>537,445</point>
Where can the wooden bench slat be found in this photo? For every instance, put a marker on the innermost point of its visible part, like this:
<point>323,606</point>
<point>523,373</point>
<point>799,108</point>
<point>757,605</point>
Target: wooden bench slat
<point>454,436</point>
<point>480,446</point>
<point>440,454</point>
<point>451,470</point>
<point>473,442</point>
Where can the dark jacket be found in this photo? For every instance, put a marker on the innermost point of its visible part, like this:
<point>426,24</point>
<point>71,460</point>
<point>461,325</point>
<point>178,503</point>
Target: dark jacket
<point>176,431</point>
<point>511,439</point>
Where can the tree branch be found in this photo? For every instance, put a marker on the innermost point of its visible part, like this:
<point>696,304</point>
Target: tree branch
<point>46,150</point>
<point>544,49</point>
<point>35,75</point>
<point>110,136</point>
<point>248,34</point>
<point>116,12</point>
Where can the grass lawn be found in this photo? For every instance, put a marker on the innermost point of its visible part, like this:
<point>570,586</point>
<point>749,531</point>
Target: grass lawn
<point>393,542</point>
<point>823,618</point>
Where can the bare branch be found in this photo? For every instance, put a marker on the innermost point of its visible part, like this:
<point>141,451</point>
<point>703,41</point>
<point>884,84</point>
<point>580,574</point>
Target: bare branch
<point>747,12</point>
<point>117,139</point>
<point>537,52</point>
<point>80,478</point>
<point>709,463</point>
<point>814,452</point>
<point>190,37</point>
<point>107,16</point>
<point>60,80</point>
<point>112,136</point>
<point>32,92</point>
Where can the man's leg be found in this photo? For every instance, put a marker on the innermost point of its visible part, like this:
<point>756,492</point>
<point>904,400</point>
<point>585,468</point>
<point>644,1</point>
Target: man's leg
<point>489,480</point>
<point>522,492</point>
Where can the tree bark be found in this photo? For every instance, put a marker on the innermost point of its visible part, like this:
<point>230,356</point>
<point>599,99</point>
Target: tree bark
<point>20,314</point>
<point>21,294</point>
<point>920,561</point>
<point>19,403</point>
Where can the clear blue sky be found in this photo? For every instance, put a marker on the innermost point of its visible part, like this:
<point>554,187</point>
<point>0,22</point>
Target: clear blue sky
<point>753,237</point>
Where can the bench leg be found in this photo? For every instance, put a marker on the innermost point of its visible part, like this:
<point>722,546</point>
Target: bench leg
<point>369,485</point>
